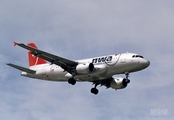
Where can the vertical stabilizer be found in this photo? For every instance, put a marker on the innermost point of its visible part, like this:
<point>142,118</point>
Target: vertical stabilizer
<point>33,60</point>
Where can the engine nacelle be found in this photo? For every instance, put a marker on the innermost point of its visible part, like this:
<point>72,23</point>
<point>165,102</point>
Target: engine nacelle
<point>85,68</point>
<point>119,83</point>
<point>100,69</point>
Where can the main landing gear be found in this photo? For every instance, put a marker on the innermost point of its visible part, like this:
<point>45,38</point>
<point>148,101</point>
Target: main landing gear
<point>94,90</point>
<point>72,81</point>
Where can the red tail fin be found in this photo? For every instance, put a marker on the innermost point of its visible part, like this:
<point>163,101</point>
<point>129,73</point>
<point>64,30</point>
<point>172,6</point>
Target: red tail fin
<point>34,60</point>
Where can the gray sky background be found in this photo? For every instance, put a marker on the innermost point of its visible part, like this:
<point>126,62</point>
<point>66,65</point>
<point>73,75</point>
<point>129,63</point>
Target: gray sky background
<point>81,29</point>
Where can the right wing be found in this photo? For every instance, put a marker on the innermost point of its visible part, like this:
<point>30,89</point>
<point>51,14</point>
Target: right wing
<point>65,64</point>
<point>104,82</point>
<point>22,68</point>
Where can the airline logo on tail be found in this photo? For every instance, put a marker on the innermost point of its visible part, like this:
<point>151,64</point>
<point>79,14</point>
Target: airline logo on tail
<point>33,60</point>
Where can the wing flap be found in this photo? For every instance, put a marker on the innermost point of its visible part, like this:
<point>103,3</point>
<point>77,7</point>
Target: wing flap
<point>22,68</point>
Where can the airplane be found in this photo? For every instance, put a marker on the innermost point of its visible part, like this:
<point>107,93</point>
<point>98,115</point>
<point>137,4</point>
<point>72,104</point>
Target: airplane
<point>98,70</point>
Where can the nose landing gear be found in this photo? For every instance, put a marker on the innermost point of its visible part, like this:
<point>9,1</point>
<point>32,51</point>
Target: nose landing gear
<point>127,77</point>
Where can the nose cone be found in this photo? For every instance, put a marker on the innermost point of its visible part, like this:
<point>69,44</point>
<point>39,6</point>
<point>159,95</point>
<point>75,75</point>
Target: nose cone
<point>145,63</point>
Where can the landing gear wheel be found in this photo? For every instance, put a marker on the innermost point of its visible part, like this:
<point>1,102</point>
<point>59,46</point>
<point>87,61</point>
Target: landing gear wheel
<point>127,77</point>
<point>72,81</point>
<point>126,80</point>
<point>94,91</point>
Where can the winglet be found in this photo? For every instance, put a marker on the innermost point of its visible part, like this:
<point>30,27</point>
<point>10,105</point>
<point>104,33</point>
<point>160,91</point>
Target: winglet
<point>15,43</point>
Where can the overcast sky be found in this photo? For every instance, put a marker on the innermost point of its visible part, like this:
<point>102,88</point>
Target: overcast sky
<point>87,28</point>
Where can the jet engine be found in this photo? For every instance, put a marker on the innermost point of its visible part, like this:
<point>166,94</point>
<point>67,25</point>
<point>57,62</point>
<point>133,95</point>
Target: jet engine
<point>85,68</point>
<point>119,83</point>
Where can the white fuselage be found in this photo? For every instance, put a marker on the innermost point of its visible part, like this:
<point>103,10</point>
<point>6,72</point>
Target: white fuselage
<point>105,66</point>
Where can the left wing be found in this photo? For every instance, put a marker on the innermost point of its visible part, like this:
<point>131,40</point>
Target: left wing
<point>66,64</point>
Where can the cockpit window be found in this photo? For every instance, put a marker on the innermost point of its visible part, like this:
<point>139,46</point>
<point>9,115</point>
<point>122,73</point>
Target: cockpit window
<point>137,56</point>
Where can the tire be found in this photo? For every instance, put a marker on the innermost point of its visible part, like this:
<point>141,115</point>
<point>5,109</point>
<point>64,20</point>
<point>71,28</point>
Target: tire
<point>72,81</point>
<point>94,91</point>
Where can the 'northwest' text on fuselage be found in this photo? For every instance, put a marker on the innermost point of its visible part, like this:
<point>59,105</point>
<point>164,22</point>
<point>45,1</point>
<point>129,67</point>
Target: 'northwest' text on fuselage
<point>102,59</point>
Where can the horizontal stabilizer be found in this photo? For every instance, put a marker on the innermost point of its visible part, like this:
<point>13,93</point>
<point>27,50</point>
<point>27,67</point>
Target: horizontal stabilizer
<point>22,68</point>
